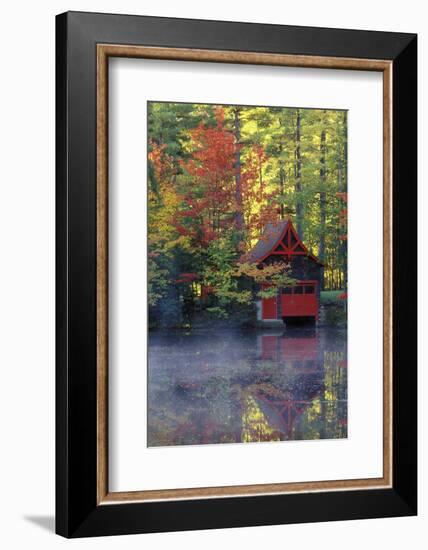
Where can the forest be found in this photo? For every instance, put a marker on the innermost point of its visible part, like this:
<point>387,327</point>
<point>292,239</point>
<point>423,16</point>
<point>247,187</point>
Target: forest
<point>217,174</point>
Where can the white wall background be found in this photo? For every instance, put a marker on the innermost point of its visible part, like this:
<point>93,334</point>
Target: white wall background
<point>27,272</point>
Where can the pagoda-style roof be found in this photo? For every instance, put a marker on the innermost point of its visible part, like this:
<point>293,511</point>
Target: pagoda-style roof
<point>279,238</point>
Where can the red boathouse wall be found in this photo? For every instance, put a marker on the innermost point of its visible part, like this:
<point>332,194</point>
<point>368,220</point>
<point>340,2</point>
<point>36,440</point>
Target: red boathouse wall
<point>300,300</point>
<point>269,308</point>
<point>281,243</point>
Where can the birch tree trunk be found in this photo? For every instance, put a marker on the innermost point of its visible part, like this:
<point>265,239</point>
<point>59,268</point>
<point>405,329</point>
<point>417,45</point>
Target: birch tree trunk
<point>239,218</point>
<point>323,197</point>
<point>343,184</point>
<point>298,175</point>
<point>281,183</point>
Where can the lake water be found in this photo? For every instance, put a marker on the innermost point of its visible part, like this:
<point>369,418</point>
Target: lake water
<point>222,386</point>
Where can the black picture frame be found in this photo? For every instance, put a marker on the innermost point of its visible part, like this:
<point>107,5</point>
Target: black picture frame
<point>77,511</point>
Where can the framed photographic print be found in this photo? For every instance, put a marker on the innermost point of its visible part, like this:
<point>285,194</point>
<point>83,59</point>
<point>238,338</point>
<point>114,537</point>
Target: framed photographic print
<point>236,274</point>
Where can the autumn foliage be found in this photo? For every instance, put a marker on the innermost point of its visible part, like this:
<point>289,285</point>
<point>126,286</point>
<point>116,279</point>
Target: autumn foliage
<point>216,177</point>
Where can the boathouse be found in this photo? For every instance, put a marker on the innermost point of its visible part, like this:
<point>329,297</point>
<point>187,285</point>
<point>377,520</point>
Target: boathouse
<point>281,243</point>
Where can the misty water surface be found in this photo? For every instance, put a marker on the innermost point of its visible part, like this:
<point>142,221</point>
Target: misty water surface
<point>220,386</point>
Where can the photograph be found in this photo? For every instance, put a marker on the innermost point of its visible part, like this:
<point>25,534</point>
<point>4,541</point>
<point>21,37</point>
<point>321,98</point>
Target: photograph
<point>247,273</point>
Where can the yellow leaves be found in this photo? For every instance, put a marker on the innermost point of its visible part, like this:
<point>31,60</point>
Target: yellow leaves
<point>270,274</point>
<point>330,396</point>
<point>313,412</point>
<point>255,424</point>
<point>241,296</point>
<point>259,272</point>
<point>248,269</point>
<point>157,282</point>
<point>162,232</point>
<point>183,241</point>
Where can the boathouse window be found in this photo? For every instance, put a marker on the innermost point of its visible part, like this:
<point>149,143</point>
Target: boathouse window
<point>300,289</point>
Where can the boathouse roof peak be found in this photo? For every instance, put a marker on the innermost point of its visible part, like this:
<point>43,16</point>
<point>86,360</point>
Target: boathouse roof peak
<point>279,238</point>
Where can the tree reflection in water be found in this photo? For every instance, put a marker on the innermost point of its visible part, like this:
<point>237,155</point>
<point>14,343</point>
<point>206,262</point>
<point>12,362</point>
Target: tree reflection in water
<point>236,387</point>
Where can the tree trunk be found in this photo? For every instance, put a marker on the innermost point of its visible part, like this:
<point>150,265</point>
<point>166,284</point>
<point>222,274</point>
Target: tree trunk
<point>281,184</point>
<point>298,175</point>
<point>342,184</point>
<point>239,218</point>
<point>323,199</point>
